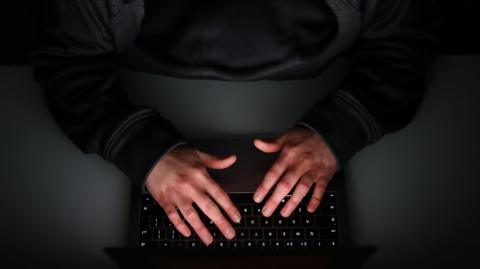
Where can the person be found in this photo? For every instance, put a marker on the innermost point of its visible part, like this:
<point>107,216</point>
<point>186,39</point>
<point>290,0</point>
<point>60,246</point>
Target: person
<point>389,44</point>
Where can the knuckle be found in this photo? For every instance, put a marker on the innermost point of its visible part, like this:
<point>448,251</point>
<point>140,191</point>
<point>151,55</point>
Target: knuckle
<point>304,184</point>
<point>183,182</point>
<point>230,209</point>
<point>210,208</point>
<point>274,202</point>
<point>307,157</point>
<point>285,185</point>
<point>321,185</point>
<point>221,223</point>
<point>189,214</point>
<point>288,152</point>
<point>199,173</point>
<point>294,201</point>
<point>173,217</point>
<point>221,196</point>
<point>274,171</point>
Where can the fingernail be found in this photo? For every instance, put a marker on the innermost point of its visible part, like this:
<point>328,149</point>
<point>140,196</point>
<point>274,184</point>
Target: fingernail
<point>266,212</point>
<point>230,233</point>
<point>209,241</point>
<point>237,218</point>
<point>256,198</point>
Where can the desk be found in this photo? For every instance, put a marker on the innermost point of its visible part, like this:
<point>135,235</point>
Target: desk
<point>415,194</point>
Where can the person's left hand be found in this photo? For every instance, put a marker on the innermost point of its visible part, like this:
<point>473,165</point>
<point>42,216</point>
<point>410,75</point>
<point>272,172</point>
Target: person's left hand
<point>304,160</point>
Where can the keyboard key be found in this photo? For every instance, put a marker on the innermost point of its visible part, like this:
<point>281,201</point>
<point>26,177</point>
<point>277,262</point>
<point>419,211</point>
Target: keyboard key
<point>235,244</point>
<point>328,233</point>
<point>178,244</point>
<point>326,221</point>
<point>148,244</point>
<point>263,244</point>
<point>145,234</point>
<point>194,244</point>
<point>298,234</point>
<point>158,234</point>
<point>250,244</point>
<point>279,222</point>
<point>270,234</point>
<point>266,222</point>
<point>156,222</point>
<point>305,244</point>
<point>242,234</point>
<point>252,221</point>
<point>245,210</point>
<point>170,234</point>
<point>216,233</point>
<point>332,243</point>
<point>290,244</point>
<point>256,234</point>
<point>293,222</point>
<point>220,244</point>
<point>257,210</point>
<point>164,244</point>
<point>329,197</point>
<point>276,244</point>
<point>307,221</point>
<point>147,199</point>
<point>312,233</point>
<point>301,209</point>
<point>284,234</point>
<point>328,209</point>
<point>319,243</point>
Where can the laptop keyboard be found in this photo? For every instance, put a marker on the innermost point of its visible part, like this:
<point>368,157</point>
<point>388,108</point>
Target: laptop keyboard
<point>301,230</point>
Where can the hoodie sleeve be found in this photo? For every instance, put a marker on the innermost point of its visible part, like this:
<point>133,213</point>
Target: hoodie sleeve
<point>385,79</point>
<point>72,62</point>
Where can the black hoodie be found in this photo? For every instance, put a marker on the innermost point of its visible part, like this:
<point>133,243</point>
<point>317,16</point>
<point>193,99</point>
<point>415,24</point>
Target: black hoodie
<point>389,44</point>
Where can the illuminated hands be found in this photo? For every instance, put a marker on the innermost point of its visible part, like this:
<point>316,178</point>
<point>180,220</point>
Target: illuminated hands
<point>304,161</point>
<point>180,178</point>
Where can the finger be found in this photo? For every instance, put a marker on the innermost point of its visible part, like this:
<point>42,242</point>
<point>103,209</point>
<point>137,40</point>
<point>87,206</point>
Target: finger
<point>212,211</point>
<point>192,217</point>
<point>317,195</point>
<point>271,177</point>
<point>268,146</point>
<point>283,187</point>
<point>215,162</point>
<point>222,198</point>
<point>176,220</point>
<point>301,190</point>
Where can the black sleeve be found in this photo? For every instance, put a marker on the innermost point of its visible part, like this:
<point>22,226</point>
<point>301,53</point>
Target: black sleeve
<point>72,62</point>
<point>385,79</point>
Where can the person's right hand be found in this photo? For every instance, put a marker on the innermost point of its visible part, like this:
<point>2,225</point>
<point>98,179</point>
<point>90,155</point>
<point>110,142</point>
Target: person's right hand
<point>180,178</point>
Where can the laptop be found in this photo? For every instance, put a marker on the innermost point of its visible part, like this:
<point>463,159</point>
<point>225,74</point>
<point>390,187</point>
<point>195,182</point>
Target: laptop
<point>319,238</point>
<point>221,118</point>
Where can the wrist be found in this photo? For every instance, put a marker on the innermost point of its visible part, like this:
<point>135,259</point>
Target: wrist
<point>333,159</point>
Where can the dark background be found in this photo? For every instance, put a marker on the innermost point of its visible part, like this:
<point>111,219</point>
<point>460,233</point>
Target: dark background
<point>458,30</point>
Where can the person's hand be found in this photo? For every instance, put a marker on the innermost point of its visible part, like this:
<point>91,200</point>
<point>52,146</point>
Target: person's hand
<point>180,179</point>
<point>304,160</point>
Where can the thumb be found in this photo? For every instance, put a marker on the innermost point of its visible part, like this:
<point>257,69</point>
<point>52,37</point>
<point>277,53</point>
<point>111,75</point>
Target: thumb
<point>268,146</point>
<point>215,162</point>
